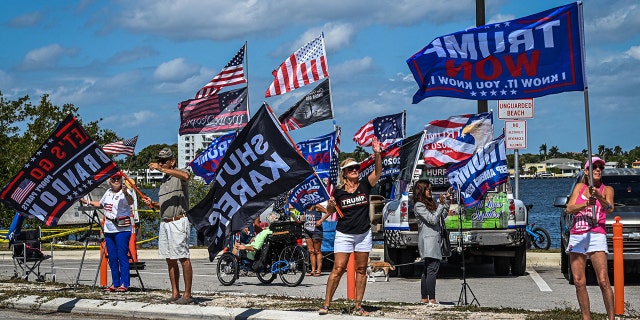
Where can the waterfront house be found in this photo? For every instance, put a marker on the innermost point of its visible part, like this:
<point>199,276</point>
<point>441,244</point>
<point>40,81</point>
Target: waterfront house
<point>567,167</point>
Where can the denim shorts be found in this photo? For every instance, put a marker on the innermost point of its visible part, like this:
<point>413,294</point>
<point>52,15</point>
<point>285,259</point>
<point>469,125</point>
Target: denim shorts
<point>587,243</point>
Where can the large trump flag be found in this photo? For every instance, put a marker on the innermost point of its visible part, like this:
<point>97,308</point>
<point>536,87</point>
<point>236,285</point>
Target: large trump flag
<point>528,57</point>
<point>260,164</point>
<point>66,167</point>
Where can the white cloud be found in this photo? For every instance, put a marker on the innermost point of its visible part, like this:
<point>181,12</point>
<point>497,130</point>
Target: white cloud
<point>46,57</point>
<point>25,20</point>
<point>175,70</point>
<point>351,68</point>
<point>634,52</point>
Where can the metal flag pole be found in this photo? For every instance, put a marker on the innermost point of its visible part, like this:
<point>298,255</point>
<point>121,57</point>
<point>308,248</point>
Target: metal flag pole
<point>462,299</point>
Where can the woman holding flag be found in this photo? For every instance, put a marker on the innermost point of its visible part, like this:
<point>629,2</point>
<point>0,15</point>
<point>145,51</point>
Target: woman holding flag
<point>353,231</point>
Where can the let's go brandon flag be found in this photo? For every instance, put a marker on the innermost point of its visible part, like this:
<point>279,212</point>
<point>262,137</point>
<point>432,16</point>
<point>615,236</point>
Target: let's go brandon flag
<point>67,166</point>
<point>528,57</point>
<point>260,164</point>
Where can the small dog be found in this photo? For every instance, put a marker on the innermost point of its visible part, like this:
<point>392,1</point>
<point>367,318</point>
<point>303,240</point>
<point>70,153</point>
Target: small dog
<point>378,268</point>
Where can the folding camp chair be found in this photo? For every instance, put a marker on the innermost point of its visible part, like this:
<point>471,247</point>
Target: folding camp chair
<point>27,254</point>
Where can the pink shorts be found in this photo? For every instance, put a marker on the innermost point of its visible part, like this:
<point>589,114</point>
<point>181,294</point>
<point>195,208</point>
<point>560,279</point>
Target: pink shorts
<point>587,243</point>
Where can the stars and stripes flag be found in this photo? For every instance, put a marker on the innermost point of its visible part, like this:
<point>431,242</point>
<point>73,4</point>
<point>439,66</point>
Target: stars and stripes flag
<point>388,129</point>
<point>456,138</point>
<point>125,147</point>
<point>307,65</point>
<point>231,74</point>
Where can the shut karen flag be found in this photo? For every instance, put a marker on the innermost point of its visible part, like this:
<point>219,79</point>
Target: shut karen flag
<point>307,65</point>
<point>66,167</point>
<point>527,57</point>
<point>259,165</point>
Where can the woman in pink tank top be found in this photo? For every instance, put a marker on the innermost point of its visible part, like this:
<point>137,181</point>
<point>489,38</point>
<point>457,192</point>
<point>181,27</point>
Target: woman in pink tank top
<point>588,236</point>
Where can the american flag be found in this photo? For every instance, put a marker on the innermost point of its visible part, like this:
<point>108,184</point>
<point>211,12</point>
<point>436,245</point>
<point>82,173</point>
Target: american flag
<point>125,147</point>
<point>388,129</point>
<point>23,190</point>
<point>231,74</point>
<point>305,66</point>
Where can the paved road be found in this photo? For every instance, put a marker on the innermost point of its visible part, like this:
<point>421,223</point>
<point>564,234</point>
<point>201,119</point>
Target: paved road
<point>542,288</point>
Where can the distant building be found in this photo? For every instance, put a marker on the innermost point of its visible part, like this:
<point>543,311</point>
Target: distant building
<point>635,164</point>
<point>189,145</point>
<point>567,167</point>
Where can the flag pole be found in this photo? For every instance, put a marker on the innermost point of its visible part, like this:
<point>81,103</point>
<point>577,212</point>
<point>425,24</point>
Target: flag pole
<point>246,62</point>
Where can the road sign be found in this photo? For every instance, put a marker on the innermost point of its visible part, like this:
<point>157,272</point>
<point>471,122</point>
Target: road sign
<point>515,109</point>
<point>515,134</point>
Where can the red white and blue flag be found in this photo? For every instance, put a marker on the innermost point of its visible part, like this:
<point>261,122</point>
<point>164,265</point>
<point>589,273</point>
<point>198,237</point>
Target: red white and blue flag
<point>206,163</point>
<point>222,112</point>
<point>527,57</point>
<point>480,173</point>
<point>307,65</point>
<point>457,138</point>
<point>388,129</point>
<point>231,74</point>
<point>126,147</point>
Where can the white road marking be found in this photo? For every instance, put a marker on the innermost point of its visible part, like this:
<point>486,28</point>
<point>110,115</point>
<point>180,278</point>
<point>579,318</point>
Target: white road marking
<point>542,285</point>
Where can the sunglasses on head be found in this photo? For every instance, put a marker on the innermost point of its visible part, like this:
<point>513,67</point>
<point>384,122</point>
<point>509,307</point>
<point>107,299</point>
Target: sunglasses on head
<point>352,168</point>
<point>597,166</point>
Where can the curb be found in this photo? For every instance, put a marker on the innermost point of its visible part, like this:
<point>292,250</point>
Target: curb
<point>159,311</point>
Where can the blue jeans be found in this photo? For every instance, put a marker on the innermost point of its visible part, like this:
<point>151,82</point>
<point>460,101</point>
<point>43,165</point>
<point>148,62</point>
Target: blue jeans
<point>118,253</point>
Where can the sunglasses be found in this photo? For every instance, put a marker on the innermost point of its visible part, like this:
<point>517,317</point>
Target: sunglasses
<point>352,168</point>
<point>163,161</point>
<point>601,167</point>
<point>116,179</point>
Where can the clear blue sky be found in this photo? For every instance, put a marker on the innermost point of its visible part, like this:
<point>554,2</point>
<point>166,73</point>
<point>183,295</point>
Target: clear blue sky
<point>132,62</point>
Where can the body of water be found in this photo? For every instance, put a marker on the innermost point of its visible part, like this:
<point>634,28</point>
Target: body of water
<point>541,193</point>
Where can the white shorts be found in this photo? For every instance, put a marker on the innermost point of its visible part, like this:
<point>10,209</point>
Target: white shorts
<point>347,243</point>
<point>587,243</point>
<point>173,239</point>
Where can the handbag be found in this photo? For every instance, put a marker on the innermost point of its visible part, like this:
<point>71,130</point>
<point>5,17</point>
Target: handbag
<point>123,221</point>
<point>445,246</point>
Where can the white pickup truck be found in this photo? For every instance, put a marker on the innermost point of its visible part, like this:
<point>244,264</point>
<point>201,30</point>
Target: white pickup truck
<point>491,231</point>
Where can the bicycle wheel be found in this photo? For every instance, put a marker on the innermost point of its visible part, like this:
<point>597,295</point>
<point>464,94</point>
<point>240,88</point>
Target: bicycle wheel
<point>228,268</point>
<point>293,264</point>
<point>544,240</point>
<point>265,276</point>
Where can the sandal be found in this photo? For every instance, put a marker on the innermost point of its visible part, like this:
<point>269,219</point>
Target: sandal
<point>110,289</point>
<point>361,312</point>
<point>122,289</point>
<point>323,310</point>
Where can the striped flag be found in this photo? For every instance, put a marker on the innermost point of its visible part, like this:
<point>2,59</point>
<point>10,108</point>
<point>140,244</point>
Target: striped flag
<point>457,138</point>
<point>231,74</point>
<point>125,147</point>
<point>305,66</point>
<point>23,190</point>
<point>388,129</point>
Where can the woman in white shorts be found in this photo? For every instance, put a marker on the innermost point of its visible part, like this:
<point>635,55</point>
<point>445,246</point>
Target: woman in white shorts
<point>353,231</point>
<point>588,236</point>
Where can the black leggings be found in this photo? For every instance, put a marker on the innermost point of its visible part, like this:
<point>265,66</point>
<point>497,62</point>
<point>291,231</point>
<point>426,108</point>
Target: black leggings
<point>428,280</point>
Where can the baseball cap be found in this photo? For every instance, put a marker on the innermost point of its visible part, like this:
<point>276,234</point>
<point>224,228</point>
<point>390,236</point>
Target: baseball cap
<point>594,160</point>
<point>165,153</point>
<point>349,164</point>
<point>117,175</point>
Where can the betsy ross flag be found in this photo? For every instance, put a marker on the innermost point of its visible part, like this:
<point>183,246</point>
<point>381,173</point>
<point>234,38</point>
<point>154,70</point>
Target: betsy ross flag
<point>125,147</point>
<point>527,57</point>
<point>67,166</point>
<point>388,129</point>
<point>307,65</point>
<point>457,138</point>
<point>231,74</point>
<point>313,107</point>
<point>258,166</point>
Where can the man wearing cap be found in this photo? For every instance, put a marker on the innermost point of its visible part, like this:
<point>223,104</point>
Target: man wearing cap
<point>175,228</point>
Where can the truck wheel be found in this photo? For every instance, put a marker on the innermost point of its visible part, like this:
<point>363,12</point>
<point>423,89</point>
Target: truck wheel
<point>406,258</point>
<point>501,266</point>
<point>519,262</point>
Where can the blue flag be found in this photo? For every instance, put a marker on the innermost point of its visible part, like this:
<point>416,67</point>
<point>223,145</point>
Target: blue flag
<point>523,58</point>
<point>319,152</point>
<point>308,193</point>
<point>481,173</point>
<point>206,163</point>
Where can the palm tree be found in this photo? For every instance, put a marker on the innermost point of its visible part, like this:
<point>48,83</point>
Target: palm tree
<point>617,150</point>
<point>543,150</point>
<point>601,150</point>
<point>554,151</point>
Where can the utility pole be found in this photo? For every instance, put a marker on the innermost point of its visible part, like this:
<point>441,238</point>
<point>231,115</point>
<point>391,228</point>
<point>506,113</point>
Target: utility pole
<point>480,21</point>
